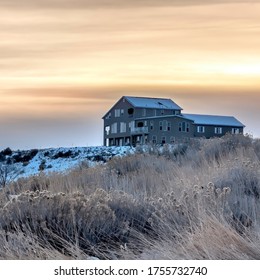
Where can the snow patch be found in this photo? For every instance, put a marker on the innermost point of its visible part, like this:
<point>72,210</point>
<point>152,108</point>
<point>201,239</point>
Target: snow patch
<point>32,162</point>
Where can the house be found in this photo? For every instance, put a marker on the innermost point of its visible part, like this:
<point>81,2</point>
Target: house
<point>140,120</point>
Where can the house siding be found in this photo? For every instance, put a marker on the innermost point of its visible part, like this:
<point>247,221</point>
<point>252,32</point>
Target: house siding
<point>173,123</point>
<point>125,124</point>
<point>126,118</point>
<point>210,130</point>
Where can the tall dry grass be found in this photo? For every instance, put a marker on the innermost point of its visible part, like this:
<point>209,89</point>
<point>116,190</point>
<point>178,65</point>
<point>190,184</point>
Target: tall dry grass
<point>199,201</point>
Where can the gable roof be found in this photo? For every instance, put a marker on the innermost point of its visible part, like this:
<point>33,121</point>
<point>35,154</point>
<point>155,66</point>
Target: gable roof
<point>214,120</point>
<point>152,103</point>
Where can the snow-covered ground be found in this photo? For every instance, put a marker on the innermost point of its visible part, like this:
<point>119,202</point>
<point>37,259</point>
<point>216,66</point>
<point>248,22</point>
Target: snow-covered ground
<point>31,162</point>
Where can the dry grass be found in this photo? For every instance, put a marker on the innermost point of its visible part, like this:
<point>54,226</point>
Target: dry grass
<point>198,202</point>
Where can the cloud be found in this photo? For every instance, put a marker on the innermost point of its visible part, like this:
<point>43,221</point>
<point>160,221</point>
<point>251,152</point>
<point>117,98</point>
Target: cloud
<point>88,4</point>
<point>97,94</point>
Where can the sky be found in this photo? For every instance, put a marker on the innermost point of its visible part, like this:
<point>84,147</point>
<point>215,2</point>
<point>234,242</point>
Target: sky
<point>64,63</point>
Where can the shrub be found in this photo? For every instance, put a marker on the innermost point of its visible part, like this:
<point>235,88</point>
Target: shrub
<point>98,219</point>
<point>42,165</point>
<point>62,154</point>
<point>201,204</point>
<point>256,146</point>
<point>7,152</point>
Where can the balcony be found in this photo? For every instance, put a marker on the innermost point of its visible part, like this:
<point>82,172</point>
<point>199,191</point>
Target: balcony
<point>139,130</point>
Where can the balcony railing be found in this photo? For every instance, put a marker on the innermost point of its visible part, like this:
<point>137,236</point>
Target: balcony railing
<point>139,130</point>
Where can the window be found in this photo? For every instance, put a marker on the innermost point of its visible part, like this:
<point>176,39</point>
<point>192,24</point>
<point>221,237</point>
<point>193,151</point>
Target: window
<point>162,112</point>
<point>218,130</point>
<point>235,131</point>
<point>201,129</point>
<point>151,125</point>
<point>131,126</point>
<point>130,112</point>
<point>117,113</point>
<point>169,126</point>
<point>108,116</point>
<point>160,125</point>
<point>172,139</point>
<point>154,139</point>
<point>122,127</point>
<point>122,112</point>
<point>176,112</point>
<point>184,127</point>
<point>155,112</point>
<point>144,112</point>
<point>163,139</point>
<point>165,125</point>
<point>114,128</point>
<point>140,124</point>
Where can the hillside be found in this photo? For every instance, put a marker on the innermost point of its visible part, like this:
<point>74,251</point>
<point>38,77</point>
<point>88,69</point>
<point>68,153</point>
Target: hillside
<point>200,200</point>
<point>31,162</point>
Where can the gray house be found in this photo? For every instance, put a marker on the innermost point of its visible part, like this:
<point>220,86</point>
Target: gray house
<point>141,120</point>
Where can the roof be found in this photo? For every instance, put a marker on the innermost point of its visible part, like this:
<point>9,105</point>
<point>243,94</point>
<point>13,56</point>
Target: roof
<point>152,103</point>
<point>214,120</point>
<point>162,117</point>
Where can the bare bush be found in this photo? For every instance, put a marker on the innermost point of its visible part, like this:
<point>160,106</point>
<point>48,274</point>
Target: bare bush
<point>8,173</point>
<point>203,203</point>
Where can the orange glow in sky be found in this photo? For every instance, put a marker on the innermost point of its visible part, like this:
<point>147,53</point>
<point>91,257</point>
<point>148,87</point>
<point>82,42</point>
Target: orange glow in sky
<point>65,63</point>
